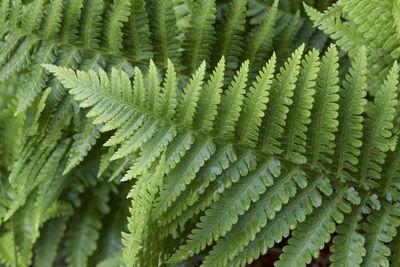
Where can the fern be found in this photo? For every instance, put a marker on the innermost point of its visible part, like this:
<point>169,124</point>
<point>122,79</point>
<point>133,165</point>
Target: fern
<point>154,132</point>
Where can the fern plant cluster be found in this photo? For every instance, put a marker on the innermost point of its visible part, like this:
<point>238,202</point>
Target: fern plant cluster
<point>187,133</point>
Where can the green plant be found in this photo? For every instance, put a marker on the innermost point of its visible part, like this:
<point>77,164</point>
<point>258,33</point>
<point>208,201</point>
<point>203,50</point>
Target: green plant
<point>203,132</point>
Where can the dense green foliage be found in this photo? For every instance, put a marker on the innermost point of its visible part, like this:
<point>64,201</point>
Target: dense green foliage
<point>185,133</point>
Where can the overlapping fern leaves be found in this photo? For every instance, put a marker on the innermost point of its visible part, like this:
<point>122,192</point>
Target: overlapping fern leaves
<point>256,172</point>
<point>226,140</point>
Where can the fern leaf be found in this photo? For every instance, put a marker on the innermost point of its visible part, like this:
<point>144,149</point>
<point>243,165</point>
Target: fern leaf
<point>168,103</point>
<point>5,10</point>
<point>312,235</point>
<point>11,134</point>
<point>260,40</point>
<point>72,13</point>
<point>324,112</point>
<point>30,23</point>
<point>176,181</point>
<point>245,163</point>
<point>178,148</point>
<point>7,256</point>
<point>287,39</point>
<point>139,31</point>
<point>228,43</point>
<point>115,17</point>
<point>231,102</point>
<point>210,97</point>
<point>381,228</point>
<point>190,96</point>
<point>214,167</point>
<point>237,247</point>
<point>166,43</point>
<point>151,150</point>
<point>20,60</point>
<point>91,25</point>
<point>140,94</point>
<point>299,113</point>
<point>348,247</point>
<point>280,97</point>
<point>28,93</point>
<point>23,228</point>
<point>83,142</point>
<point>84,228</point>
<point>52,20</point>
<point>390,176</point>
<point>9,45</point>
<point>48,242</point>
<point>140,214</point>
<point>127,129</point>
<point>255,104</point>
<point>220,217</point>
<point>378,129</point>
<point>15,13</point>
<point>351,106</point>
<point>109,244</point>
<point>200,34</point>
<point>153,96</point>
<point>146,132</point>
<point>395,248</point>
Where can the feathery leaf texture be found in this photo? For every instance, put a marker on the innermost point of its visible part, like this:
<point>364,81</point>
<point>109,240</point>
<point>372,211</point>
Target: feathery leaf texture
<point>228,197</point>
<point>226,126</point>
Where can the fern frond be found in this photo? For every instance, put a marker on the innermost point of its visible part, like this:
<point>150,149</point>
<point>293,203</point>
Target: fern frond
<point>11,134</point>
<point>378,129</point>
<point>348,247</point>
<point>351,106</point>
<point>231,103</point>
<point>83,142</point>
<point>324,112</point>
<point>143,196</point>
<point>299,113</point>
<point>188,101</point>
<point>91,26</point>
<point>139,32</point>
<point>260,40</point>
<point>264,234</point>
<point>200,34</point>
<point>355,23</point>
<point>280,97</point>
<point>48,242</point>
<point>115,17</point>
<point>72,13</point>
<point>229,38</point>
<point>7,256</point>
<point>381,228</point>
<point>84,228</point>
<point>221,193</point>
<point>254,105</point>
<point>220,217</point>
<point>311,235</point>
<point>164,27</point>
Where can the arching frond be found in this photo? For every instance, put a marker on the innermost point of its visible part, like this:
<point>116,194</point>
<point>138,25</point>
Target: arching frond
<point>230,131</point>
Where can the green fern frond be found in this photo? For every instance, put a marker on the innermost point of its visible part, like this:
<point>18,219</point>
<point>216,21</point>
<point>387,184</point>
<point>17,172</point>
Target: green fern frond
<point>381,228</point>
<point>351,106</point>
<point>324,111</point>
<point>204,178</point>
<point>348,248</point>
<point>143,196</point>
<point>311,235</point>
<point>228,139</point>
<point>48,242</point>
<point>81,240</point>
<point>229,37</point>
